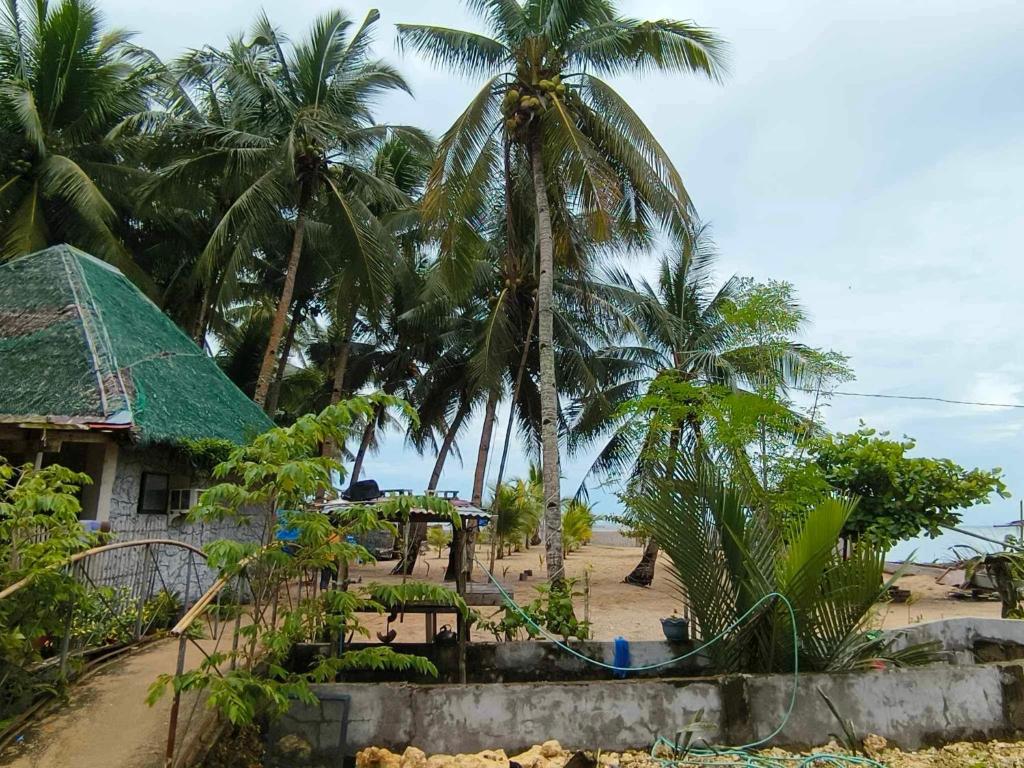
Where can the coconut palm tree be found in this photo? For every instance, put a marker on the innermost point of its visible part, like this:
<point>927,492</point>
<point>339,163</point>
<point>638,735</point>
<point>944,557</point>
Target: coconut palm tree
<point>545,100</point>
<point>704,334</point>
<point>66,86</point>
<point>301,132</point>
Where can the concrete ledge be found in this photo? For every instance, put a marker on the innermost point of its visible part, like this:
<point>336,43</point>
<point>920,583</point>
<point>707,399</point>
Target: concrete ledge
<point>911,708</point>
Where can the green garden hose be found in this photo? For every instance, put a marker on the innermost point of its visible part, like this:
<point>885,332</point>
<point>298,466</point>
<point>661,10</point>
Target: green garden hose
<point>738,757</point>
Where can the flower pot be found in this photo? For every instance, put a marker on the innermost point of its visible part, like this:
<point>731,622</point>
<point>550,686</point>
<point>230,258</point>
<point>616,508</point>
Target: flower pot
<point>676,629</point>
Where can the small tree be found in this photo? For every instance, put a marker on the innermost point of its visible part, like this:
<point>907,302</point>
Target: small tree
<point>900,496</point>
<point>39,531</point>
<point>438,537</point>
<point>283,471</point>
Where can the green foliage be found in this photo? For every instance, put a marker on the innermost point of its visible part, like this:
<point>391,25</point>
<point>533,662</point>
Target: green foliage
<point>727,554</point>
<point>66,87</point>
<point>552,609</point>
<point>284,468</point>
<point>519,505</point>
<point>39,531</point>
<point>205,454</point>
<point>900,496</point>
<point>438,536</point>
<point>577,524</point>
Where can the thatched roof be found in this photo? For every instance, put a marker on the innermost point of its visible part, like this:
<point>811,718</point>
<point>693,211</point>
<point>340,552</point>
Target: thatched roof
<point>81,346</point>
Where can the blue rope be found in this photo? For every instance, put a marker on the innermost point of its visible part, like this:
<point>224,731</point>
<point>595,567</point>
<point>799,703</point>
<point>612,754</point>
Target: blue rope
<point>711,757</point>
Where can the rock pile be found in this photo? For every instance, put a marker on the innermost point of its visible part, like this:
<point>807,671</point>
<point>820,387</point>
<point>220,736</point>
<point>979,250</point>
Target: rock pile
<point>550,754</point>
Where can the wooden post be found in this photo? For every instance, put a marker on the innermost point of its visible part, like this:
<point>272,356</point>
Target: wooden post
<point>461,623</point>
<point>172,728</point>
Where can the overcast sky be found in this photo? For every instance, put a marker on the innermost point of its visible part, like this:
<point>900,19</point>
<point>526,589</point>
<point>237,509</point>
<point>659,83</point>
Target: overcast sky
<point>869,152</point>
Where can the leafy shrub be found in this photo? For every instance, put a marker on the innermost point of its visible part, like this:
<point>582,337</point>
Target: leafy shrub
<point>552,609</point>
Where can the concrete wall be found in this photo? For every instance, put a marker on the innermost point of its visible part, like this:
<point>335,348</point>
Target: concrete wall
<point>967,640</point>
<point>913,707</point>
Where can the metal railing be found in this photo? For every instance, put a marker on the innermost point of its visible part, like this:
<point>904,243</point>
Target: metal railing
<point>122,594</point>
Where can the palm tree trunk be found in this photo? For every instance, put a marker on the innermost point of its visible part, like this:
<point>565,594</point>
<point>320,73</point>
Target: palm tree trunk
<point>283,305</point>
<point>199,329</point>
<point>418,531</point>
<point>515,394</point>
<point>282,362</point>
<point>548,390</point>
<point>480,474</point>
<point>478,492</point>
<point>643,574</point>
<point>364,444</point>
<point>338,384</point>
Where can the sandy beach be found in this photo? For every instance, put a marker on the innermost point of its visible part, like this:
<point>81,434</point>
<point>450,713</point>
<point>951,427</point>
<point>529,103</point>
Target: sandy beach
<point>617,609</point>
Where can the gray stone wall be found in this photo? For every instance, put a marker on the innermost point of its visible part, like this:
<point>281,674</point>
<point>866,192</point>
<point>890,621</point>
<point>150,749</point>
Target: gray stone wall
<point>128,525</point>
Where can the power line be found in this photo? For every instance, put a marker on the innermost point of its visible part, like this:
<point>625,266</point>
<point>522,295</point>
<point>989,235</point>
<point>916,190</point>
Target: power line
<point>911,397</point>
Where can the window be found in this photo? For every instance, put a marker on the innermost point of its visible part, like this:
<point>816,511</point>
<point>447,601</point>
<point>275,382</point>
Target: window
<point>153,496</point>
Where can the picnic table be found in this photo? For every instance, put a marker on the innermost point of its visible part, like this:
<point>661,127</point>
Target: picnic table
<point>475,595</point>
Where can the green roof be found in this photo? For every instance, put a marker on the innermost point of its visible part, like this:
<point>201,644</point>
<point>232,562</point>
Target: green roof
<point>80,345</point>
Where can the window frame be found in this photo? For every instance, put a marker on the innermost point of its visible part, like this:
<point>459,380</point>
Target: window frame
<point>140,507</point>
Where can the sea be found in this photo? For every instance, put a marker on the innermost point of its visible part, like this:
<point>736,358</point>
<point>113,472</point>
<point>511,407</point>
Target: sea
<point>949,547</point>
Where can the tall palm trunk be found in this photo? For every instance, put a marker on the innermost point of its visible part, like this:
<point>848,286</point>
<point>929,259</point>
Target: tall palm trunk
<point>515,394</point>
<point>548,390</point>
<point>282,362</point>
<point>340,369</point>
<point>418,531</point>
<point>364,444</point>
<point>477,496</point>
<point>283,305</point>
<point>643,574</point>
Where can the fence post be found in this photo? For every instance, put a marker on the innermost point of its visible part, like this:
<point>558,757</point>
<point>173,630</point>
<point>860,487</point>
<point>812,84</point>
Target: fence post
<point>65,641</point>
<point>172,728</point>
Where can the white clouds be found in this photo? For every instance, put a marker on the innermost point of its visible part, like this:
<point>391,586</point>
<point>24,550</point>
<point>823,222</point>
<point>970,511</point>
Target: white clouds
<point>869,152</point>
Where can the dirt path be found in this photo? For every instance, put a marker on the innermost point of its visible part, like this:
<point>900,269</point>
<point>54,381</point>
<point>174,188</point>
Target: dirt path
<point>105,723</point>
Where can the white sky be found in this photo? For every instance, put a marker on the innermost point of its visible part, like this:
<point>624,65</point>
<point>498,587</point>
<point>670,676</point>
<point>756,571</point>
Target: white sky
<point>869,152</point>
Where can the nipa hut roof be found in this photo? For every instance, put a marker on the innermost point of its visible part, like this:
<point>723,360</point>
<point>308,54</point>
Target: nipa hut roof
<point>81,346</point>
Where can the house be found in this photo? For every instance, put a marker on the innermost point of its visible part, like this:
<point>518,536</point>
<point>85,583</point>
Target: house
<point>95,377</point>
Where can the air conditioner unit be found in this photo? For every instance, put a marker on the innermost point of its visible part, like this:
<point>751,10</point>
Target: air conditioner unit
<point>182,500</point>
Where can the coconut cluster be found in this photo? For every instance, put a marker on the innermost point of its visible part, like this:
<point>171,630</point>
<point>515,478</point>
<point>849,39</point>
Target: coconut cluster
<point>521,105</point>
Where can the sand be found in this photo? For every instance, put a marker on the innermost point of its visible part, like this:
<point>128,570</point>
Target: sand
<point>617,609</point>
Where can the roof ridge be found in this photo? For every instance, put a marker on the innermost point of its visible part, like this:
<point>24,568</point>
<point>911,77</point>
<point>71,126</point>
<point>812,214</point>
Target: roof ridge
<point>97,338</point>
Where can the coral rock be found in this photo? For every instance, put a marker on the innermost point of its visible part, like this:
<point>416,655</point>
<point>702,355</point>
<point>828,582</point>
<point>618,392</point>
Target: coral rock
<point>294,748</point>
<point>377,757</point>
<point>874,744</point>
<point>414,758</point>
<point>551,748</point>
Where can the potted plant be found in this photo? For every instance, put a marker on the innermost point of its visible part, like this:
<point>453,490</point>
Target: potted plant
<point>676,628</point>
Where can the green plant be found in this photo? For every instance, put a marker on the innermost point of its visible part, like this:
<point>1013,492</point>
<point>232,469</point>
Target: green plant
<point>728,554</point>
<point>899,496</point>
<point>849,739</point>
<point>552,609</point>
<point>285,469</point>
<point>577,524</point>
<point>439,537</point>
<point>39,531</point>
<point>104,616</point>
